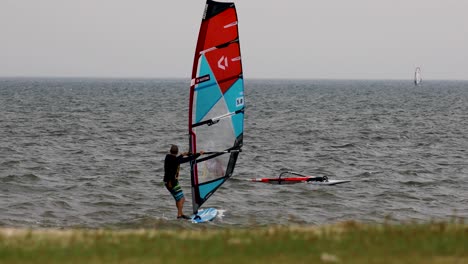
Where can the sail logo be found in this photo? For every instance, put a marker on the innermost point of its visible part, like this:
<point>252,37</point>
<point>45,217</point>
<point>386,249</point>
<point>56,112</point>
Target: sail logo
<point>201,79</point>
<point>239,101</point>
<point>223,63</point>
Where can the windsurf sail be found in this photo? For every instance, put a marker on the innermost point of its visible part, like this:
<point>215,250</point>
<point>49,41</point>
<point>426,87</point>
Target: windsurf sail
<point>417,76</point>
<point>290,177</point>
<point>216,109</point>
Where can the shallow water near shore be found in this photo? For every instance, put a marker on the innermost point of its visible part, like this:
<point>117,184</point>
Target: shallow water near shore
<point>89,152</point>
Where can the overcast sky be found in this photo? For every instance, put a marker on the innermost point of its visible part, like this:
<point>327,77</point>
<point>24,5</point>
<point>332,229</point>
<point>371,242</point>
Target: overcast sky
<point>339,39</point>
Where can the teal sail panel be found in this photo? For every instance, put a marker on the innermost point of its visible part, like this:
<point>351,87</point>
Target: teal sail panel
<point>235,101</point>
<point>207,188</point>
<point>208,93</point>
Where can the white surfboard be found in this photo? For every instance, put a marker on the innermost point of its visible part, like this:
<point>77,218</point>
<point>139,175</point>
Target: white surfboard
<point>204,215</point>
<point>329,182</point>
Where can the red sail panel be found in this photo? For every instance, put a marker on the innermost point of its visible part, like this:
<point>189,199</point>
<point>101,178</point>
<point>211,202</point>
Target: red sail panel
<point>226,65</point>
<point>218,40</point>
<point>221,28</point>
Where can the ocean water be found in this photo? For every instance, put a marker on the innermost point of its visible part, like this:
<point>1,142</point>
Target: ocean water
<point>89,152</point>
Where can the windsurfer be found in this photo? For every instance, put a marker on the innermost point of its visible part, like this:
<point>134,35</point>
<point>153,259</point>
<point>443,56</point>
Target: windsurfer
<point>171,176</point>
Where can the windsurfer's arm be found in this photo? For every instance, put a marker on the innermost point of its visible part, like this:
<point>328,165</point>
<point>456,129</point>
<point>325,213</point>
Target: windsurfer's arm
<point>186,157</point>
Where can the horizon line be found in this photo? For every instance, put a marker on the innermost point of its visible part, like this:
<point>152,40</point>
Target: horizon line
<point>188,79</point>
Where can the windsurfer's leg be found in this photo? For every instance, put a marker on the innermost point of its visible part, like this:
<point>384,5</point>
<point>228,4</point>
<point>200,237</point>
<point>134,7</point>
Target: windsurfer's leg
<point>178,195</point>
<point>180,206</point>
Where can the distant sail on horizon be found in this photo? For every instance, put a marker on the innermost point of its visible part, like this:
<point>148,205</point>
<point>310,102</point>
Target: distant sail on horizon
<point>417,76</point>
<point>216,109</point>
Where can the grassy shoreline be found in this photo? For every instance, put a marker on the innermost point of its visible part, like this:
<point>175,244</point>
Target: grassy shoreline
<point>347,242</point>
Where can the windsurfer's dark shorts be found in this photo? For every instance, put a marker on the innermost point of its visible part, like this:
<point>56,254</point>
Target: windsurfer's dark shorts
<point>176,191</point>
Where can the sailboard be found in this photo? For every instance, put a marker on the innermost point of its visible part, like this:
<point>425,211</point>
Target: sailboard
<point>290,177</point>
<point>216,109</point>
<point>417,76</point>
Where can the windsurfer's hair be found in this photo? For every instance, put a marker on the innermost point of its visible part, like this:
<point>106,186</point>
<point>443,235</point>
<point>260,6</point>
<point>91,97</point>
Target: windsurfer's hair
<point>174,149</point>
